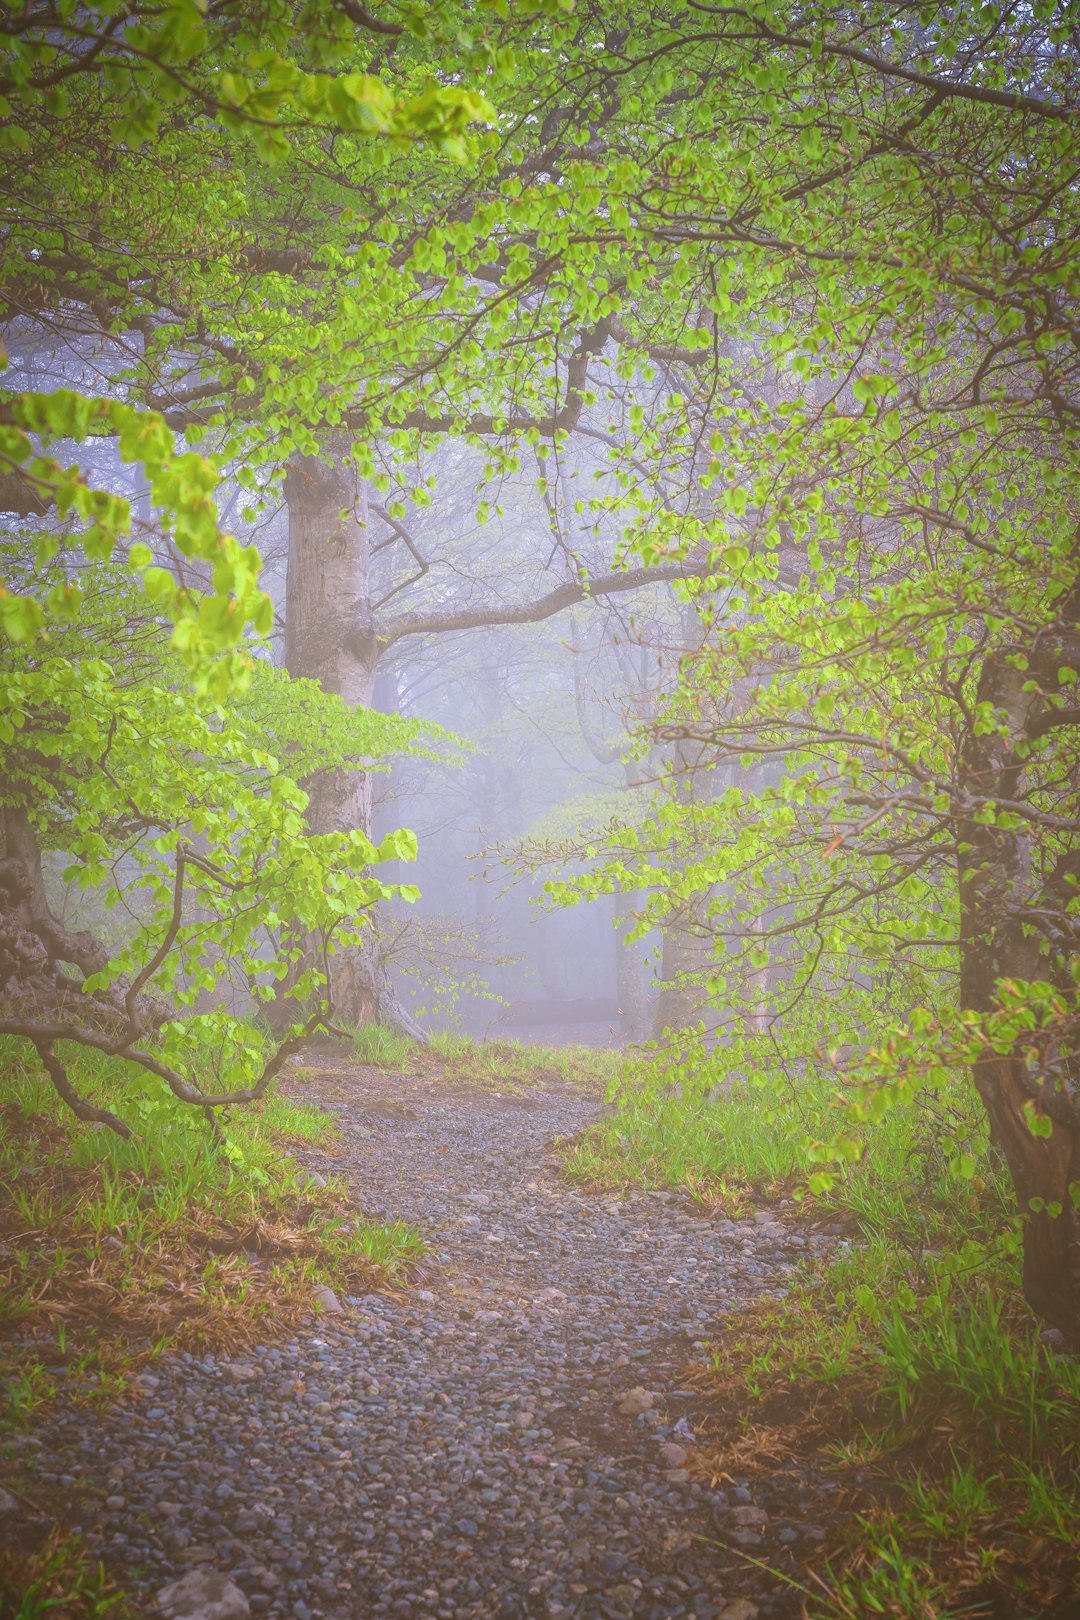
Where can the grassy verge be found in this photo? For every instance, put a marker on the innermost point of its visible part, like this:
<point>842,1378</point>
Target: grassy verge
<point>510,1067</point>
<point>113,1250</point>
<point>904,1369</point>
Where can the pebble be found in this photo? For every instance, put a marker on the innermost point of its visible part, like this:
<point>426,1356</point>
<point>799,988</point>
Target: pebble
<point>495,1443</point>
<point>673,1455</point>
<point>239,1372</point>
<point>749,1518</point>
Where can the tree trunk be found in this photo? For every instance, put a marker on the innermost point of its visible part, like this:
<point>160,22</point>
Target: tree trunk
<point>330,637</point>
<point>34,944</point>
<point>684,953</point>
<point>997,941</point>
<point>630,983</point>
<point>686,949</point>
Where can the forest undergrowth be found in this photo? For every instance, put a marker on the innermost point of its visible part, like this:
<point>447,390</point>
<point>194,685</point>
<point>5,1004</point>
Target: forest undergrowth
<point>112,1251</point>
<point>509,1066</point>
<point>903,1367</point>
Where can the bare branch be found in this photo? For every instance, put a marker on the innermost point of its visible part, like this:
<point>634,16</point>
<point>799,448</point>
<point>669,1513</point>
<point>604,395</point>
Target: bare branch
<point>543,607</point>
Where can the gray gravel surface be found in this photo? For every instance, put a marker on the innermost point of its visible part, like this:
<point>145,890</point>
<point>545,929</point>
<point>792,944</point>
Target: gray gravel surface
<point>483,1445</point>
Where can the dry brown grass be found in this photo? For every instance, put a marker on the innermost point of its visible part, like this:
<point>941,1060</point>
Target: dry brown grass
<point>99,1271</point>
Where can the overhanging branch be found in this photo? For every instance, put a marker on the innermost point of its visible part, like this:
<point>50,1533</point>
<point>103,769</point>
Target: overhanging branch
<point>543,607</point>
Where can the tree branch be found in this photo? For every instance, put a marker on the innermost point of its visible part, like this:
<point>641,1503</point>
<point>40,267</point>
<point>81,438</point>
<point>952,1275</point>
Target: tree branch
<point>543,607</point>
<point>984,95</point>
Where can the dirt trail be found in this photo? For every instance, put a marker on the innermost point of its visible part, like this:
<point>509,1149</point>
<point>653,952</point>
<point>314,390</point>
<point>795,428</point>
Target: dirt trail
<point>478,1446</point>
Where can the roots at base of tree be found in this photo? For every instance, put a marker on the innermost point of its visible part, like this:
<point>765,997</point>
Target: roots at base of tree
<point>1044,1166</point>
<point>361,994</point>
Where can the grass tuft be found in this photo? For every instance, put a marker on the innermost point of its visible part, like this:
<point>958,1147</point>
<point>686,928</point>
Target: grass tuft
<point>381,1047</point>
<point>58,1580</point>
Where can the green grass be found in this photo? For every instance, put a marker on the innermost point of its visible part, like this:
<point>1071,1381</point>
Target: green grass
<point>514,1065</point>
<point>112,1249</point>
<point>744,1148</point>
<point>60,1580</point>
<point>382,1047</point>
<point>908,1353</point>
<point>507,1066</point>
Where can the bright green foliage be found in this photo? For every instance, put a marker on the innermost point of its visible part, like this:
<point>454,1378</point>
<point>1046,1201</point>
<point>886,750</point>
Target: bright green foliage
<point>181,488</point>
<point>784,273</point>
<point>188,829</point>
<point>130,132</point>
<point>872,435</point>
<point>233,64</point>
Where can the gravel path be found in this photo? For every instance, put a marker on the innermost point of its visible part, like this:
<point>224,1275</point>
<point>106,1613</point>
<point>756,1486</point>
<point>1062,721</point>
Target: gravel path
<point>511,1440</point>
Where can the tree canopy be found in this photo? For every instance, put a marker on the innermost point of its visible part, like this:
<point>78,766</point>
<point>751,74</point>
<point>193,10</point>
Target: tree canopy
<point>796,290</point>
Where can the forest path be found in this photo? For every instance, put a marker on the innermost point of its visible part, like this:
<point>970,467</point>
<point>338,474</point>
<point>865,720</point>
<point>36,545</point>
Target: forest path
<point>464,1449</point>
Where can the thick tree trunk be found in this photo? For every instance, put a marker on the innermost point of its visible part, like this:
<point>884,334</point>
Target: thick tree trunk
<point>330,637</point>
<point>998,902</point>
<point>630,983</point>
<point>687,945</point>
<point>34,944</point>
<point>684,954</point>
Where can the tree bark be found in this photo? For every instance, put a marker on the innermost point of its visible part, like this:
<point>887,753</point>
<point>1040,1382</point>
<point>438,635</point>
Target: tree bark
<point>330,637</point>
<point>998,900</point>
<point>34,944</point>
<point>630,982</point>
<point>684,954</point>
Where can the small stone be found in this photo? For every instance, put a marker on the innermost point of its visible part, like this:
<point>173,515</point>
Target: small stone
<point>114,1503</point>
<point>672,1455</point>
<point>739,1609</point>
<point>203,1594</point>
<point>749,1518</point>
<point>636,1401</point>
<point>8,1503</point>
<point>328,1301</point>
<point>239,1372</point>
<point>313,1179</point>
